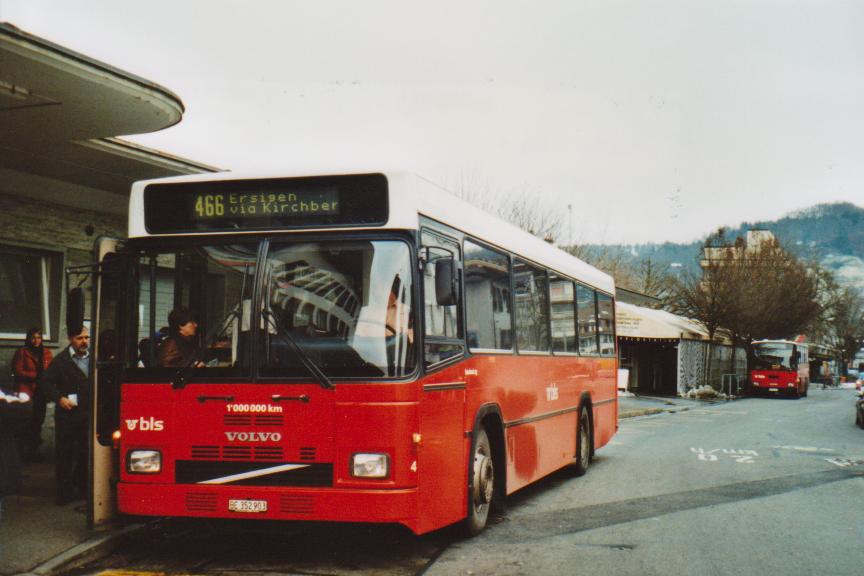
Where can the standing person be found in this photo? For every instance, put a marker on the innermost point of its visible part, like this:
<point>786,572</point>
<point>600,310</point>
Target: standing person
<point>181,346</point>
<point>14,413</point>
<point>66,383</point>
<point>28,364</point>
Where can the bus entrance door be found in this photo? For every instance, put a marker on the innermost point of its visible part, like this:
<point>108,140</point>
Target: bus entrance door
<point>106,374</point>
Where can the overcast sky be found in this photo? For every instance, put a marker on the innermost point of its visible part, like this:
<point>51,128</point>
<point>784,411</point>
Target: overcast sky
<point>657,120</point>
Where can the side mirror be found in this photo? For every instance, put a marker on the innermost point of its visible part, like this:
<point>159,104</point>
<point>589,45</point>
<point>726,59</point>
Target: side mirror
<point>445,281</point>
<point>74,309</point>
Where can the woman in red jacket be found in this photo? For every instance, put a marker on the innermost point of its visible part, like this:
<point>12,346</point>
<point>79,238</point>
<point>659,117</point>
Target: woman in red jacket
<point>28,364</point>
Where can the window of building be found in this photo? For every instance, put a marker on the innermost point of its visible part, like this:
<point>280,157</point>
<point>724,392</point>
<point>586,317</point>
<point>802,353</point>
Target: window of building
<point>487,298</point>
<point>586,310</point>
<point>606,324</point>
<point>562,296</point>
<point>31,281</point>
<point>532,307</point>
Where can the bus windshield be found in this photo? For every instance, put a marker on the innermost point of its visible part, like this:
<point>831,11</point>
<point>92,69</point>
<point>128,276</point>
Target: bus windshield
<point>346,307</point>
<point>776,355</point>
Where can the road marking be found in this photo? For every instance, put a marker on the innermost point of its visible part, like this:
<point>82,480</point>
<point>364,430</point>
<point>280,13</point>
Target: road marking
<point>804,448</point>
<point>845,462</point>
<point>720,412</point>
<point>737,455</point>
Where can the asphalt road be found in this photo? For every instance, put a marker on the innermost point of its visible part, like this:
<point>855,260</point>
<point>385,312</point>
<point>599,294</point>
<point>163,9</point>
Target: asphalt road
<point>756,486</point>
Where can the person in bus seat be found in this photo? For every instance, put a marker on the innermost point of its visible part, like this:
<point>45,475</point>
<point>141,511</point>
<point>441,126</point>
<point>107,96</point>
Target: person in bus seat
<point>28,365</point>
<point>181,347</point>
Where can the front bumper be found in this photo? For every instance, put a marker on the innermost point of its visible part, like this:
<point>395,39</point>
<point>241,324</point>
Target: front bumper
<point>329,504</point>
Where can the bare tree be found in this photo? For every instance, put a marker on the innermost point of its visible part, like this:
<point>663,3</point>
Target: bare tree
<point>755,293</point>
<point>521,208</point>
<point>843,317</point>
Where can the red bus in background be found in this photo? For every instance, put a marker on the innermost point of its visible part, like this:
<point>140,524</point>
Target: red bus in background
<point>369,348</point>
<point>782,367</point>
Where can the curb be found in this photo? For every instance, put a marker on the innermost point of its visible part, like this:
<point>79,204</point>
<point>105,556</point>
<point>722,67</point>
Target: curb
<point>650,411</point>
<point>86,552</point>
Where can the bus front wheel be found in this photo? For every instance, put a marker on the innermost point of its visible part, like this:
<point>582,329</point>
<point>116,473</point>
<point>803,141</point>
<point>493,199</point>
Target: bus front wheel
<point>481,470</point>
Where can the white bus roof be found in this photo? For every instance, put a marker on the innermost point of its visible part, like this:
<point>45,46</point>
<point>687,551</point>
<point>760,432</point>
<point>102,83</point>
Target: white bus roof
<point>410,196</point>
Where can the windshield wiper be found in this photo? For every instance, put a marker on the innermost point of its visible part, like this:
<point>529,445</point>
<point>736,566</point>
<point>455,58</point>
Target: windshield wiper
<point>307,362</point>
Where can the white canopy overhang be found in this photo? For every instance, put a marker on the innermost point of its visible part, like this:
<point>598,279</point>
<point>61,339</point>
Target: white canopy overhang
<point>645,323</point>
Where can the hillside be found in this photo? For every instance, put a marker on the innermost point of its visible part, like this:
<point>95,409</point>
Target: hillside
<point>831,233</point>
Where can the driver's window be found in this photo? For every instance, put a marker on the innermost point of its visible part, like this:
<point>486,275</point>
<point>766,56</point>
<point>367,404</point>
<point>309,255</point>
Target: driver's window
<point>442,326</point>
<point>193,309</point>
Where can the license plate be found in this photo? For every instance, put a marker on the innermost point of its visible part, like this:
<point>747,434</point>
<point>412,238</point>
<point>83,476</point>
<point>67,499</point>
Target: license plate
<point>772,389</point>
<point>252,506</point>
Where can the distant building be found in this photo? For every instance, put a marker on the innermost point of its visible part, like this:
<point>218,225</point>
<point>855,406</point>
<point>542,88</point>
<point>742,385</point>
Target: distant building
<point>754,242</point>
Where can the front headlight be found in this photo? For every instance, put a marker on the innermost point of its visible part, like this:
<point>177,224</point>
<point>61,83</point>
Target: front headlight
<point>370,465</point>
<point>144,462</point>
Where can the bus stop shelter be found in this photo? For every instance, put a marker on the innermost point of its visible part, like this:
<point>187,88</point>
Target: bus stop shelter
<point>667,354</point>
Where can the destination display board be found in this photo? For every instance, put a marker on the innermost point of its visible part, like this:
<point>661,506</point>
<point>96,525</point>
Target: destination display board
<point>266,204</point>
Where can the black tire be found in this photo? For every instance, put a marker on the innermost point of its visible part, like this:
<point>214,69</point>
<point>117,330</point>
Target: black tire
<point>481,484</point>
<point>584,443</point>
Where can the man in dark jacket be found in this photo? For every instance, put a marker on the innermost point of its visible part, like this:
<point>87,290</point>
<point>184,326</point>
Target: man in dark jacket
<point>14,414</point>
<point>66,383</point>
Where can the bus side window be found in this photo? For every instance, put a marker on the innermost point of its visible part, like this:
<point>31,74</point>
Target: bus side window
<point>488,301</point>
<point>562,296</point>
<point>442,323</point>
<point>586,313</point>
<point>606,324</point>
<point>532,307</point>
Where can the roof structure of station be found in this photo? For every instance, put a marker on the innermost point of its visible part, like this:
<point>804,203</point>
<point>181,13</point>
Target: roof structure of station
<point>62,113</point>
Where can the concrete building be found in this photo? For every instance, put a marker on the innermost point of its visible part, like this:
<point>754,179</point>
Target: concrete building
<point>742,248</point>
<point>64,175</point>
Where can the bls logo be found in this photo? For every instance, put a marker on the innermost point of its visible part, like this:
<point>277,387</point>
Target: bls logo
<point>551,392</point>
<point>146,425</point>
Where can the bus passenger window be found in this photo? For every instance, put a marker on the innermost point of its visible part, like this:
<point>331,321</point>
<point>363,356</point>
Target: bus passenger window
<point>532,307</point>
<point>586,310</point>
<point>606,324</point>
<point>489,319</point>
<point>563,314</point>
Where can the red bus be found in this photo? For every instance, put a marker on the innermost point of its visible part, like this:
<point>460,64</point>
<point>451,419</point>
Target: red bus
<point>782,367</point>
<point>367,348</point>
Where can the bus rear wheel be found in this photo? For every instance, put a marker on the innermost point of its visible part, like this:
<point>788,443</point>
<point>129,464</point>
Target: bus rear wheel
<point>481,488</point>
<point>584,442</point>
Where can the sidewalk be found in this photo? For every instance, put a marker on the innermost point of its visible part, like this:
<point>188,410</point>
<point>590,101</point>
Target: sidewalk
<point>637,405</point>
<point>39,537</point>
